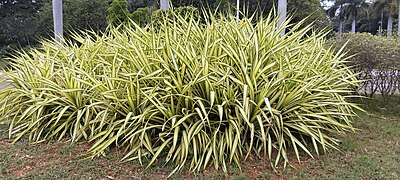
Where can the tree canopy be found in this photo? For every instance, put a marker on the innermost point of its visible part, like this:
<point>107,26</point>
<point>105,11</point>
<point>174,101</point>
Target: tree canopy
<point>23,22</point>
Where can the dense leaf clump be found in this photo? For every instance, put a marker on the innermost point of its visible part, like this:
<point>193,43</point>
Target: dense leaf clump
<point>194,92</point>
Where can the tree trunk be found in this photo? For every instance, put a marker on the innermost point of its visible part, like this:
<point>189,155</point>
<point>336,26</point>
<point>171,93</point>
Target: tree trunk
<point>353,24</point>
<point>164,4</point>
<point>390,26</point>
<point>340,27</point>
<point>398,20</point>
<point>57,19</point>
<point>282,7</point>
<point>381,25</point>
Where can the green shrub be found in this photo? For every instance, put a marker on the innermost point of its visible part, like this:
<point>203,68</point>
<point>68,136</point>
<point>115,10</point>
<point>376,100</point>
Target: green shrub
<point>118,12</point>
<point>376,60</point>
<point>140,16</point>
<point>187,12</point>
<point>4,53</point>
<point>188,92</point>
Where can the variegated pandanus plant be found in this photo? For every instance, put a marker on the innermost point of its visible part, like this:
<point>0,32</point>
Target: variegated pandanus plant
<point>189,91</point>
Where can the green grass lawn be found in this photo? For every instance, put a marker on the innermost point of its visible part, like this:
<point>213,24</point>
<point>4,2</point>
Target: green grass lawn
<point>372,152</point>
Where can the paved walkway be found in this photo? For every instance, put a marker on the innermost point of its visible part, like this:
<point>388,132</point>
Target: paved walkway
<point>2,84</point>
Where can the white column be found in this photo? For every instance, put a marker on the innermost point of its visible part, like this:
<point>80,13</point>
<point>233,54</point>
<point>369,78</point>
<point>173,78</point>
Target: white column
<point>237,11</point>
<point>57,19</point>
<point>164,4</point>
<point>282,7</point>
